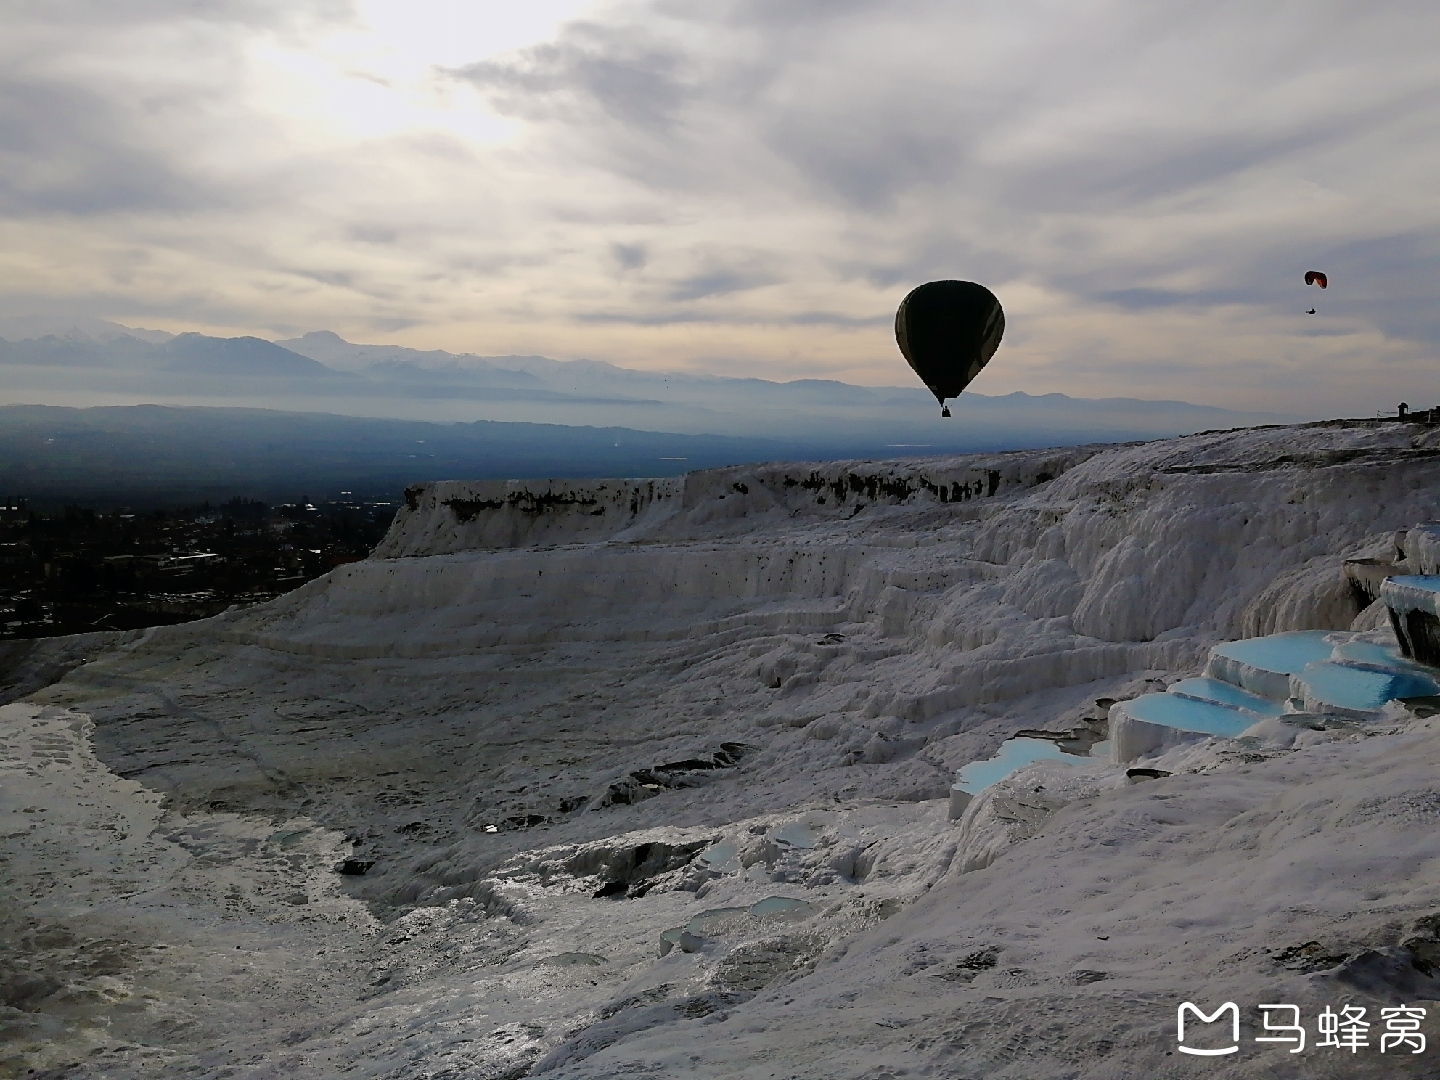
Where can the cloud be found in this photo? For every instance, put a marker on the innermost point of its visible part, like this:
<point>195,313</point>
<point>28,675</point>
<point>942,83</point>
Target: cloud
<point>67,149</point>
<point>618,72</point>
<point>1142,183</point>
<point>87,130</point>
<point>630,256</point>
<point>721,281</point>
<point>87,16</point>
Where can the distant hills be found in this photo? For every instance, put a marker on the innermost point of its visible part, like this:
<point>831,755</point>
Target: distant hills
<point>335,413</point>
<point>81,362</point>
<point>238,358</point>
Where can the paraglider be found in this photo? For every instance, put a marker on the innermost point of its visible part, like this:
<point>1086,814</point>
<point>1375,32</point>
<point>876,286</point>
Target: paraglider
<point>948,331</point>
<point>1315,277</point>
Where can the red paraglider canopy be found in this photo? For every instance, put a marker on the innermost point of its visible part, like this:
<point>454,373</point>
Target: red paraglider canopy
<point>1315,277</point>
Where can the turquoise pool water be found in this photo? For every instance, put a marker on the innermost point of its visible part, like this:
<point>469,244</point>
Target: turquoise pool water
<point>1013,754</point>
<point>1227,694</point>
<point>1188,714</point>
<point>1285,653</point>
<point>1368,652</point>
<point>1427,582</point>
<point>1357,688</point>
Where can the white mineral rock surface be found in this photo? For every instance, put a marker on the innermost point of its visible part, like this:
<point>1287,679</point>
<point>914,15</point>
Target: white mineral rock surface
<point>704,700</point>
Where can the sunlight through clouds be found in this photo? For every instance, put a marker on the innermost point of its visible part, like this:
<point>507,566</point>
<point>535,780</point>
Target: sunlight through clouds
<point>746,188</point>
<point>382,72</point>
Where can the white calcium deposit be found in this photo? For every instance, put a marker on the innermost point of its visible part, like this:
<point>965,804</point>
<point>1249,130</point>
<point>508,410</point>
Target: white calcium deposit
<point>732,705</point>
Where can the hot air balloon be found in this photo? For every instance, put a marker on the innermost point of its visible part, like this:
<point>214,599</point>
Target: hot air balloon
<point>1315,277</point>
<point>948,331</point>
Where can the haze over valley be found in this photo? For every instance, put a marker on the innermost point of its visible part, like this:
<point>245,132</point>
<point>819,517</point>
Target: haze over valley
<point>340,416</point>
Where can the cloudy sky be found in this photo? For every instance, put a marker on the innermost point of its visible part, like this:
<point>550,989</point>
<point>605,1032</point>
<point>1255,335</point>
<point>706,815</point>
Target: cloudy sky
<point>748,188</point>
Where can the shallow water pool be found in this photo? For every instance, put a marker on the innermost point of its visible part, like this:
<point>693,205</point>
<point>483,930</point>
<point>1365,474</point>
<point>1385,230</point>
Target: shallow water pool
<point>1358,688</point>
<point>1013,754</point>
<point>1226,693</point>
<point>1188,714</point>
<point>798,834</point>
<point>1285,653</point>
<point>721,858</point>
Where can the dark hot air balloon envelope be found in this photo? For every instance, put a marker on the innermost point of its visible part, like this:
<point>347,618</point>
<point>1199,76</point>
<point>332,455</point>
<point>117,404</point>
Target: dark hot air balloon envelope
<point>948,331</point>
<point>1315,277</point>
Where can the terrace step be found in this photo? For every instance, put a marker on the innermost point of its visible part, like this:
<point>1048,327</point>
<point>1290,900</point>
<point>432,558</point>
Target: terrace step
<point>1154,722</point>
<point>1357,692</point>
<point>1414,603</point>
<point>1264,665</point>
<point>1217,692</point>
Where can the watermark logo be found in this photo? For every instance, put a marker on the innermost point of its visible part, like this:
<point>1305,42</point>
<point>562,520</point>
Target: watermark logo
<point>1346,1030</point>
<point>1298,1033</point>
<point>1190,1006</point>
<point>1402,1028</point>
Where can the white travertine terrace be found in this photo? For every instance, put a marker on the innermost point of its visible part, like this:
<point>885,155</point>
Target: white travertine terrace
<point>527,721</point>
<point>1412,593</point>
